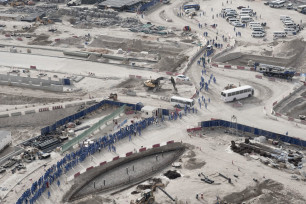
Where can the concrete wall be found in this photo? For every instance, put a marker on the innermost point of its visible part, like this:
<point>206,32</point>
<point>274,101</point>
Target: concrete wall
<point>228,57</point>
<point>88,176</point>
<point>28,80</point>
<point>52,87</point>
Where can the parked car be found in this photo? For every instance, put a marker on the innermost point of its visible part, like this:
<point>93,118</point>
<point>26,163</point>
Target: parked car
<point>266,3</point>
<point>241,7</point>
<point>2,170</point>
<point>182,77</point>
<point>290,6</point>
<point>209,47</point>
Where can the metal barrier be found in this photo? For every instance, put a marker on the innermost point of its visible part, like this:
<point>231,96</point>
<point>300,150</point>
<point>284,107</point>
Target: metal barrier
<point>255,131</point>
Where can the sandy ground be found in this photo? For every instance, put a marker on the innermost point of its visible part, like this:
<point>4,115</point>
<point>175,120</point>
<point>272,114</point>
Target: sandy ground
<point>214,145</point>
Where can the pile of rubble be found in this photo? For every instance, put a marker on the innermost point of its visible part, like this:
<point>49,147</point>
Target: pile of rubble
<point>275,156</point>
<point>45,8</point>
<point>84,17</point>
<point>150,29</point>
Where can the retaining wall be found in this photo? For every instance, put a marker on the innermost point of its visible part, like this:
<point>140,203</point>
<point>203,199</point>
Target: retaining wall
<point>52,87</point>
<point>88,176</point>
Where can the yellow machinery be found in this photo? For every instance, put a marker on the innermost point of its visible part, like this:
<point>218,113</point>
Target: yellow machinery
<point>230,86</point>
<point>17,3</point>
<point>147,196</point>
<point>44,20</point>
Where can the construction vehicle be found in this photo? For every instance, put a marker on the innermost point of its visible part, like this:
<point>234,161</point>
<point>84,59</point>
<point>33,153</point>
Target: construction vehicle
<point>230,86</point>
<point>44,20</point>
<point>154,84</point>
<point>74,3</point>
<point>280,72</point>
<point>113,96</point>
<point>31,3</point>
<point>17,3</point>
<point>147,196</point>
<point>186,28</point>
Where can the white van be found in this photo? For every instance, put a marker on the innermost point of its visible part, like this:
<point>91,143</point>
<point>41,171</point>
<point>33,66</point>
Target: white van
<point>246,13</point>
<point>290,31</point>
<point>226,10</point>
<point>246,19</point>
<point>258,29</point>
<point>283,17</point>
<point>231,20</point>
<point>279,34</point>
<point>230,14</point>
<point>257,34</point>
<point>190,10</point>
<point>247,9</point>
<point>254,24</point>
<point>289,24</point>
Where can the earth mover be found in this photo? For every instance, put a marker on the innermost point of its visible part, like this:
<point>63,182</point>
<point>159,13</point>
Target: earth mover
<point>154,84</point>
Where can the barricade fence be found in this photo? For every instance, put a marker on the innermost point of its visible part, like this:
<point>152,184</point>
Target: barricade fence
<point>71,118</point>
<point>253,130</point>
<point>72,159</point>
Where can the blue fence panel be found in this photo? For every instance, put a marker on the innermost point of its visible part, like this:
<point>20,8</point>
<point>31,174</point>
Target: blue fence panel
<point>44,130</point>
<point>240,127</point>
<point>248,129</point>
<point>224,123</point>
<point>165,112</point>
<point>148,5</point>
<point>138,108</point>
<point>256,131</point>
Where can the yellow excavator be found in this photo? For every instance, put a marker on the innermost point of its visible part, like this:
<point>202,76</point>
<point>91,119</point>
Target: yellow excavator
<point>154,84</point>
<point>147,196</point>
<point>17,3</point>
<point>44,20</point>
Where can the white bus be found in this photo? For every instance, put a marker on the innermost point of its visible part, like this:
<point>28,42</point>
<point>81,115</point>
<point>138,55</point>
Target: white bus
<point>279,34</point>
<point>181,102</point>
<point>277,4</point>
<point>301,8</point>
<point>237,93</point>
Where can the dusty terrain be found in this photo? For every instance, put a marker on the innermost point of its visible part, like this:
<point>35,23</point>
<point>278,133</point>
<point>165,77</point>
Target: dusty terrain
<point>134,57</point>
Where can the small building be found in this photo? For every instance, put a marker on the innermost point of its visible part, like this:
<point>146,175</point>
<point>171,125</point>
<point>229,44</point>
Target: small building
<point>10,17</point>
<point>120,5</point>
<point>149,111</point>
<point>5,139</point>
<point>33,17</point>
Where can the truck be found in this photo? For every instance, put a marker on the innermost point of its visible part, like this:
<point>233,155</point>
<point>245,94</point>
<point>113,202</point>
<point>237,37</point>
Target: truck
<point>74,3</point>
<point>279,72</point>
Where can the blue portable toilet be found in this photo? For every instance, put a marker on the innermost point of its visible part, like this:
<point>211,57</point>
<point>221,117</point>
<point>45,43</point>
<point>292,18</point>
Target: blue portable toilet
<point>66,81</point>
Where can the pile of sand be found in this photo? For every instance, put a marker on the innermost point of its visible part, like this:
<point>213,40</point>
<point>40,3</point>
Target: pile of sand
<point>194,163</point>
<point>268,192</point>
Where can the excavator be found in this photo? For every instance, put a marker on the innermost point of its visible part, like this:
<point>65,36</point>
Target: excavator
<point>17,3</point>
<point>154,84</point>
<point>230,86</point>
<point>44,20</point>
<point>147,196</point>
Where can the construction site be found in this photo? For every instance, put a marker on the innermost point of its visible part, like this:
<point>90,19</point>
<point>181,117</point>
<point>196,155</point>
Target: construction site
<point>152,101</point>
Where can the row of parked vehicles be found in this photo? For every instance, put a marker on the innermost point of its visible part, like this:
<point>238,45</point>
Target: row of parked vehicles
<point>290,27</point>
<point>238,20</point>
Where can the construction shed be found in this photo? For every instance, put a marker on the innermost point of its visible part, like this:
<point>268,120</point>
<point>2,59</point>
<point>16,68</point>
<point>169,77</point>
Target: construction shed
<point>149,111</point>
<point>5,139</point>
<point>120,5</point>
<point>33,17</point>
